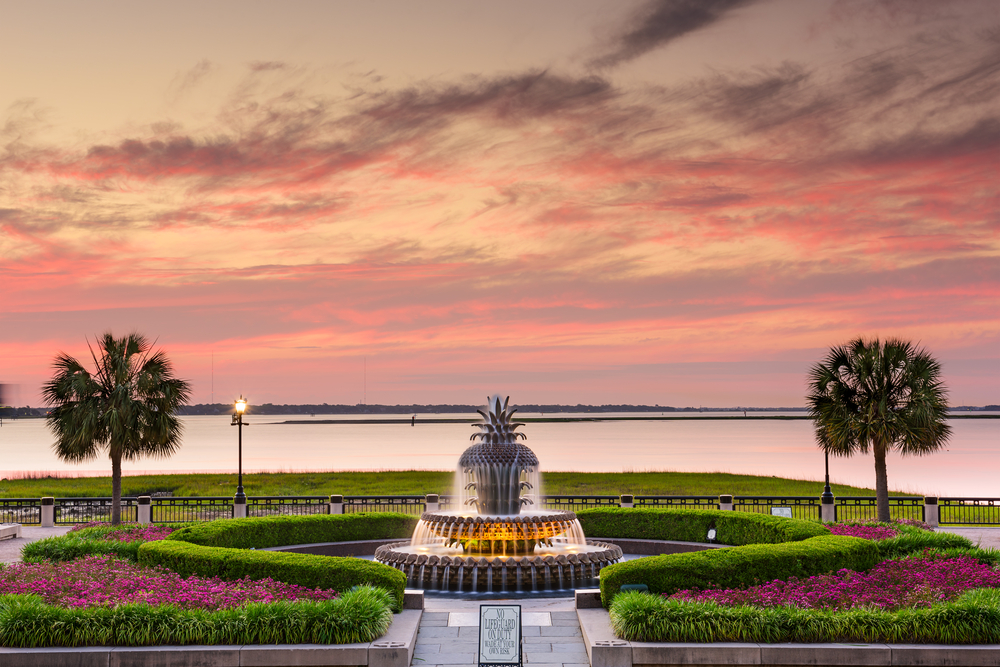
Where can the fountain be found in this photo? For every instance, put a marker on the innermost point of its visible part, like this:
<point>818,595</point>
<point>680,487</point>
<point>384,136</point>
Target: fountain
<point>499,545</point>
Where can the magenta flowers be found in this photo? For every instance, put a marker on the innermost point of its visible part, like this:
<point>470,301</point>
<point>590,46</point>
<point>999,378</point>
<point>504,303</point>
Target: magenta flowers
<point>892,585</point>
<point>97,581</point>
<point>124,533</point>
<point>868,532</point>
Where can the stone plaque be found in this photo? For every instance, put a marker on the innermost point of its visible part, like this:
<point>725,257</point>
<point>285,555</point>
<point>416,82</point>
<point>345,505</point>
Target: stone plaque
<point>782,511</point>
<point>499,635</point>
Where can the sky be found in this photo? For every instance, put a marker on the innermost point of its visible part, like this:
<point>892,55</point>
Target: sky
<point>673,202</point>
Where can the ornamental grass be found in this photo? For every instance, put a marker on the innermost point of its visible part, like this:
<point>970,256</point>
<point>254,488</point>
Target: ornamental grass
<point>104,581</point>
<point>360,615</point>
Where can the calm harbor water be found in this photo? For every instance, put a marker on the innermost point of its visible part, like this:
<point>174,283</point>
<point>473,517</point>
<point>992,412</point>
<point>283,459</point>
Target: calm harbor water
<point>966,467</point>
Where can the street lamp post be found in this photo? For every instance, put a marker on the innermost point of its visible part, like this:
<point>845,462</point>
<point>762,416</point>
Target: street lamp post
<point>241,405</point>
<point>827,509</point>
<point>827,493</point>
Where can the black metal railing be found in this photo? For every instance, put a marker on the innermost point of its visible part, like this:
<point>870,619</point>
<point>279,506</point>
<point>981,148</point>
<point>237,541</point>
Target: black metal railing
<point>864,508</point>
<point>294,505</point>
<point>27,511</point>
<point>72,511</point>
<point>404,504</point>
<point>801,507</point>
<point>573,503</point>
<point>179,510</point>
<point>679,502</point>
<point>969,511</point>
<point>69,511</point>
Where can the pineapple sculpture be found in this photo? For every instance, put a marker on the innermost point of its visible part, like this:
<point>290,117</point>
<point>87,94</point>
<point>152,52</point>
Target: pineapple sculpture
<point>495,465</point>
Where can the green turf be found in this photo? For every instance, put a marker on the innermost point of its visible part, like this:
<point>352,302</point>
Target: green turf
<point>394,483</point>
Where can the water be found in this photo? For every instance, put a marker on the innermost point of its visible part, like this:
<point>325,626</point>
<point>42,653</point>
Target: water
<point>966,467</point>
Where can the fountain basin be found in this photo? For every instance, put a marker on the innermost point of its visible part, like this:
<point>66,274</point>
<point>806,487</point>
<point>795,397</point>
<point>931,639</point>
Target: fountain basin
<point>560,566</point>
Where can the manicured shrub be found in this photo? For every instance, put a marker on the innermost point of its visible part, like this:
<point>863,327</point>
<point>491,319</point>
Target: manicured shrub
<point>70,547</point>
<point>916,541</point>
<point>95,539</point>
<point>325,572</point>
<point>740,567</point>
<point>263,532</point>
<point>733,528</point>
<point>360,615</point>
<point>972,619</point>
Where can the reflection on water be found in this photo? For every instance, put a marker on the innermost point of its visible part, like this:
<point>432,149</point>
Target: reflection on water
<point>751,446</point>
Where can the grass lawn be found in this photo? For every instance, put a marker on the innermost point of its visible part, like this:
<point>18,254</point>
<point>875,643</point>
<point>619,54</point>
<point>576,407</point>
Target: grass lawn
<point>419,482</point>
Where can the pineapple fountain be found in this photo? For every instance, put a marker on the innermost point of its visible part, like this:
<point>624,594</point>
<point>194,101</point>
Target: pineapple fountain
<point>500,544</point>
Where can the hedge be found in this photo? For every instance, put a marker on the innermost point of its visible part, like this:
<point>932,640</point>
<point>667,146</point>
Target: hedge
<point>974,618</point>
<point>361,615</point>
<point>276,531</point>
<point>732,528</point>
<point>739,567</point>
<point>340,574</point>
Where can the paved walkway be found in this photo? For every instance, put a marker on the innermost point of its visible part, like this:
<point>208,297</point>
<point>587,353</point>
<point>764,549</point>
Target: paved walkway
<point>449,633</point>
<point>10,549</point>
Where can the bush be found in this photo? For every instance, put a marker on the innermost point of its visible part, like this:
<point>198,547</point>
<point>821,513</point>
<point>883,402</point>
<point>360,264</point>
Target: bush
<point>88,540</point>
<point>326,572</point>
<point>276,531</point>
<point>71,547</point>
<point>361,615</point>
<point>733,528</point>
<point>972,619</point>
<point>915,541</point>
<point>739,567</point>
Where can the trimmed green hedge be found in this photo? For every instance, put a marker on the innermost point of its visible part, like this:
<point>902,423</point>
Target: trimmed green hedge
<point>361,615</point>
<point>340,574</point>
<point>972,619</point>
<point>733,528</point>
<point>276,531</point>
<point>740,567</point>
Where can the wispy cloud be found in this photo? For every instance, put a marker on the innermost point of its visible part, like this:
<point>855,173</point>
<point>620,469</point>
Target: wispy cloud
<point>659,22</point>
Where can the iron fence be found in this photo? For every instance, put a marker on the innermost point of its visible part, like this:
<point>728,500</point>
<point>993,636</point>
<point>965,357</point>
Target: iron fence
<point>295,505</point>
<point>27,511</point>
<point>179,510</point>
<point>73,511</point>
<point>573,503</point>
<point>801,507</point>
<point>864,508</point>
<point>404,504</point>
<point>679,502</point>
<point>969,511</point>
<point>69,511</point>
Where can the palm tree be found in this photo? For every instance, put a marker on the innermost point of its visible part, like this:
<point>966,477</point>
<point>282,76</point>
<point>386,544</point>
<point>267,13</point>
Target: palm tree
<point>126,406</point>
<point>878,396</point>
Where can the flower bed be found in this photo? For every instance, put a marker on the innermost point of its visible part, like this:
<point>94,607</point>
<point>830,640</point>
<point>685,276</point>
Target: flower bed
<point>892,585</point>
<point>122,532</point>
<point>103,581</point>
<point>866,531</point>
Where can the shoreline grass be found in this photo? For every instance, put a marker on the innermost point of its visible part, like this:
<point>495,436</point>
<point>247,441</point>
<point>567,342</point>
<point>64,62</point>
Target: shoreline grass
<point>419,482</point>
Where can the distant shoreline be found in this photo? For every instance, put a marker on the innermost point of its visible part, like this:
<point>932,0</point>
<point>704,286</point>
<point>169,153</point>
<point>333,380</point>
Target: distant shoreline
<point>537,420</point>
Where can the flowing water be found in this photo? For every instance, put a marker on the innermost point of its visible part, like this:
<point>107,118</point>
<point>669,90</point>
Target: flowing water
<point>966,467</point>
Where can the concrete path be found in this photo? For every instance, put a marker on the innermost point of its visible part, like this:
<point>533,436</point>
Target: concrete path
<point>449,633</point>
<point>10,549</point>
<point>987,538</point>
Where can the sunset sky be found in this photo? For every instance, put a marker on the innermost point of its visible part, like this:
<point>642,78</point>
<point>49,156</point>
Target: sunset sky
<point>679,202</point>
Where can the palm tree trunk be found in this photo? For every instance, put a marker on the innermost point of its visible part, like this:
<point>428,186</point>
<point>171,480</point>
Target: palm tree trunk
<point>116,487</point>
<point>881,483</point>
